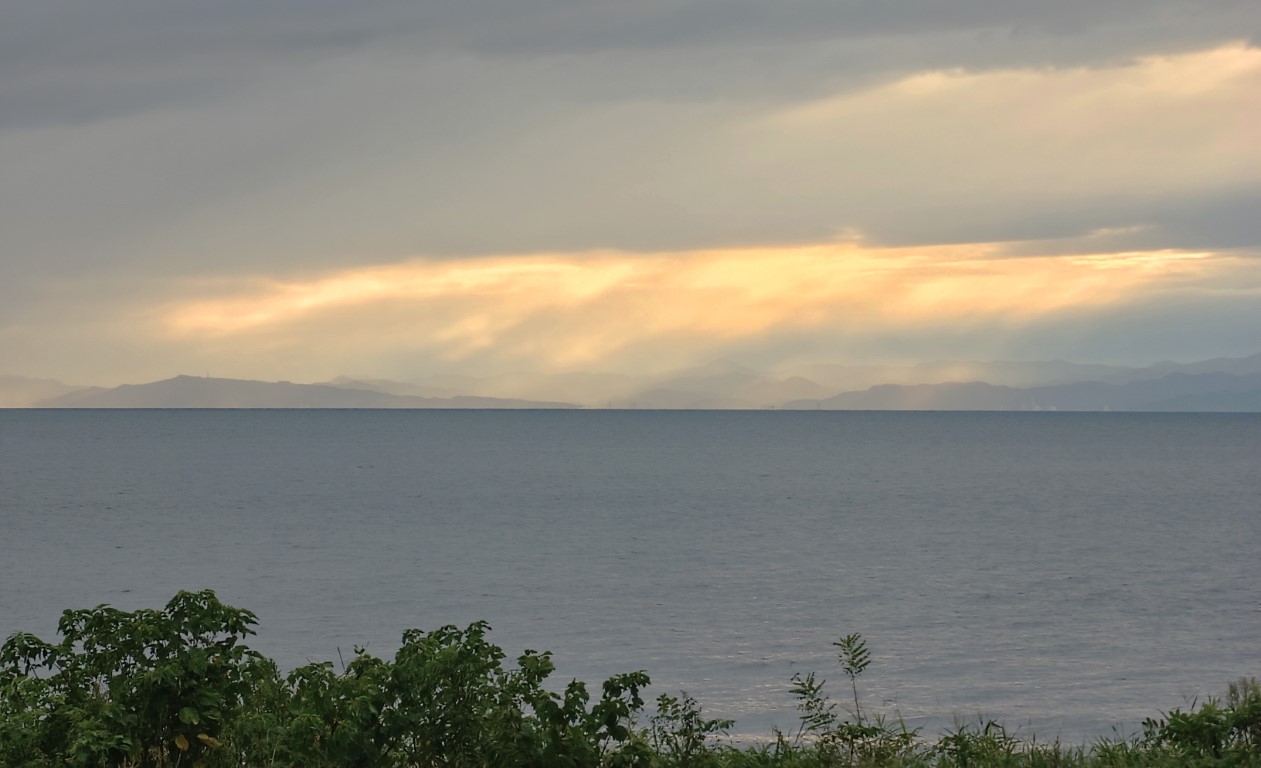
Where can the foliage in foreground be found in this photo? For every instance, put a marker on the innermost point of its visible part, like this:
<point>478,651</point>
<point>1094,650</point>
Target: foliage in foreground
<point>178,687</point>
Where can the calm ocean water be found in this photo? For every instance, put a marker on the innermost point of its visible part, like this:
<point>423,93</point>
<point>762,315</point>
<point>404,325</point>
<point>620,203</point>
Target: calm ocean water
<point>1065,573</point>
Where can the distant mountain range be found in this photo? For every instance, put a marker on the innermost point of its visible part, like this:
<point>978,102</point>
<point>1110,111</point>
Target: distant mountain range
<point>197,392</point>
<point>1220,384</point>
<point>1172,392</point>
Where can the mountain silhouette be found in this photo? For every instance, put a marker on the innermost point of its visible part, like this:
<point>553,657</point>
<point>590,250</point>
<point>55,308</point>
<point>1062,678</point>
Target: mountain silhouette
<point>198,392</point>
<point>1195,391</point>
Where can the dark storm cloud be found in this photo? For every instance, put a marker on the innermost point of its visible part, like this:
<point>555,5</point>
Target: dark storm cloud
<point>80,60</point>
<point>133,30</point>
<point>596,26</point>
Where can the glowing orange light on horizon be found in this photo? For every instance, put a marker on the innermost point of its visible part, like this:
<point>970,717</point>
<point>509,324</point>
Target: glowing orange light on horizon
<point>572,309</point>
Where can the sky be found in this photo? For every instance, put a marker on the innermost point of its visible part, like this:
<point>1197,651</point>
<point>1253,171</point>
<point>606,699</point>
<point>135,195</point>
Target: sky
<point>298,190</point>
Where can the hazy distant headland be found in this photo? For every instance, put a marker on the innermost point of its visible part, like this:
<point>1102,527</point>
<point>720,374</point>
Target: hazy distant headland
<point>1217,385</point>
<point>195,392</point>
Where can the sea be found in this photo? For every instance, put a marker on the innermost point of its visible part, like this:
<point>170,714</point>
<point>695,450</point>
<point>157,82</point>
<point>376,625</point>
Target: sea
<point>1065,574</point>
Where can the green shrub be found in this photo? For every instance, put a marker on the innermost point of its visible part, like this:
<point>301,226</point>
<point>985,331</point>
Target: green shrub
<point>149,688</point>
<point>1216,731</point>
<point>177,687</point>
<point>681,737</point>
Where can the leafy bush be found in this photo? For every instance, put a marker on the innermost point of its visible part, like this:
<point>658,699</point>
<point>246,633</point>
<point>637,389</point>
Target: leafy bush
<point>149,688</point>
<point>1216,730</point>
<point>681,736</point>
<point>178,687</point>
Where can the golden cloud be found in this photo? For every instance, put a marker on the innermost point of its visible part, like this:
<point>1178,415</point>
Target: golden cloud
<point>581,309</point>
<point>1155,123</point>
<point>1034,135</point>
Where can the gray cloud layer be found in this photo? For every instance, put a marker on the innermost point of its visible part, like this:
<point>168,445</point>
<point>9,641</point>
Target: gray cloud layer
<point>145,139</point>
<point>79,60</point>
